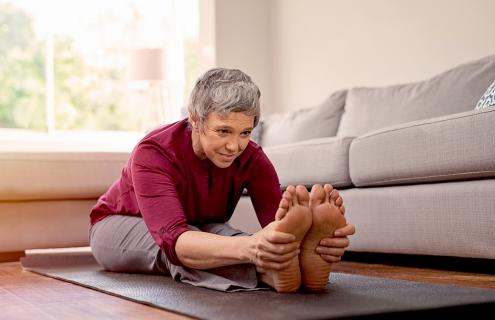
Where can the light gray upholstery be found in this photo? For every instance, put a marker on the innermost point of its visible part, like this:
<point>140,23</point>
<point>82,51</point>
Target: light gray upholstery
<point>304,124</point>
<point>448,219</point>
<point>453,147</point>
<point>453,91</point>
<point>420,176</point>
<point>323,160</point>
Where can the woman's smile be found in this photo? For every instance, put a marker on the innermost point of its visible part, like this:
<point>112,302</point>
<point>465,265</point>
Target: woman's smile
<point>228,157</point>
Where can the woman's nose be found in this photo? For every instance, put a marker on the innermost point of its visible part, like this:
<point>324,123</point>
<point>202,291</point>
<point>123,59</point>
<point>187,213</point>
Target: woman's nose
<point>232,145</point>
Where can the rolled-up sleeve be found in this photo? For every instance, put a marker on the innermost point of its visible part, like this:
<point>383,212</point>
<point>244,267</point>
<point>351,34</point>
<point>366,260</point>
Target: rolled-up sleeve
<point>152,177</point>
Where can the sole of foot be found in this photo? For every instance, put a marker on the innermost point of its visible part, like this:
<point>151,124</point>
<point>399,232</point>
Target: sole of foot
<point>293,216</point>
<point>327,216</point>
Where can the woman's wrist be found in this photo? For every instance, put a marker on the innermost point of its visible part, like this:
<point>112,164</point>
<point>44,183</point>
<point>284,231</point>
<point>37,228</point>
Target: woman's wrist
<point>247,249</point>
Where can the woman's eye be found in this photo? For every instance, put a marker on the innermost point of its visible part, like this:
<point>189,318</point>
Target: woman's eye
<point>246,133</point>
<point>223,131</point>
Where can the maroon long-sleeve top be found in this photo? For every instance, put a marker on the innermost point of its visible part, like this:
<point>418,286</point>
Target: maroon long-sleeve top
<point>170,187</point>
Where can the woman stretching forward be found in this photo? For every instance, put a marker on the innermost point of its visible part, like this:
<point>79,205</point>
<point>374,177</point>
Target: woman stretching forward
<point>167,212</point>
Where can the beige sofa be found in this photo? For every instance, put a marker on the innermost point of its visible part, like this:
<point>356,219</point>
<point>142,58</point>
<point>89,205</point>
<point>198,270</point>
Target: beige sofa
<point>48,183</point>
<point>415,163</point>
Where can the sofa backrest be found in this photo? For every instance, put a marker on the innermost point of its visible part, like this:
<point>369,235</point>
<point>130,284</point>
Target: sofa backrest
<point>453,91</point>
<point>303,124</point>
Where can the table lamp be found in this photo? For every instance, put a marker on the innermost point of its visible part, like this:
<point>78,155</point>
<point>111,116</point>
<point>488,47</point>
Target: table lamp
<point>147,68</point>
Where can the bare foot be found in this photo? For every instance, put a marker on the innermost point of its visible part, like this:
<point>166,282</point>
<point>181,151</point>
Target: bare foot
<point>327,210</point>
<point>293,216</point>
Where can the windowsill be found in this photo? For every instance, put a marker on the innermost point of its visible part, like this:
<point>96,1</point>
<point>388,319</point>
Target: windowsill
<point>19,140</point>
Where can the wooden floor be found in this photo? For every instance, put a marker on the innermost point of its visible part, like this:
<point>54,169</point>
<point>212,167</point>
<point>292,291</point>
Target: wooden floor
<point>25,295</point>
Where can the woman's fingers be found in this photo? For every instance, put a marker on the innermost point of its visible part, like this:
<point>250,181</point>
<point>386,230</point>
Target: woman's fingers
<point>335,242</point>
<point>330,259</point>
<point>270,250</point>
<point>336,252</point>
<point>268,256</point>
<point>274,265</point>
<point>273,236</point>
<point>347,230</point>
<point>280,246</point>
<point>332,249</point>
<point>275,250</point>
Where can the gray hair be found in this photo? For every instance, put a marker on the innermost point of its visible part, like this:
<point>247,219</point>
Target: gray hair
<point>224,90</point>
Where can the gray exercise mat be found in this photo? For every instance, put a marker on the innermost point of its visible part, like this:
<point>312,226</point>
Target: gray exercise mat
<point>347,296</point>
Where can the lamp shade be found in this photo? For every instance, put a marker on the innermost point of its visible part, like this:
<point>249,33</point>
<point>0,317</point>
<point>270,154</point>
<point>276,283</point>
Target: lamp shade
<point>147,64</point>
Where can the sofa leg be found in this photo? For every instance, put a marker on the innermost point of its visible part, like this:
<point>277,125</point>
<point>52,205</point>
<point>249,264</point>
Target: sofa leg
<point>11,256</point>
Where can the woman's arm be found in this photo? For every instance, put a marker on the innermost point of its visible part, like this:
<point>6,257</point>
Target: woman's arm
<point>267,249</point>
<point>202,250</point>
<point>155,189</point>
<point>156,195</point>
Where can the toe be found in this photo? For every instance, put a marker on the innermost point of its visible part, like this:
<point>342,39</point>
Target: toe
<point>328,191</point>
<point>317,195</point>
<point>292,190</point>
<point>283,207</point>
<point>288,198</point>
<point>302,195</point>
<point>284,204</point>
<point>280,214</point>
<point>339,201</point>
<point>342,209</point>
<point>334,195</point>
<point>328,188</point>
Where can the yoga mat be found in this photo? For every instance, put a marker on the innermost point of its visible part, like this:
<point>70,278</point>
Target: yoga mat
<point>347,296</point>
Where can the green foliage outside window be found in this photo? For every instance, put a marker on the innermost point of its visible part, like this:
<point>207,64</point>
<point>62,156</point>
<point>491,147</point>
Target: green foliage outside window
<point>87,97</point>
<point>22,84</point>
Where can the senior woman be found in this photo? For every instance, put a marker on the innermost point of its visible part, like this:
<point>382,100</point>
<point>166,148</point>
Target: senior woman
<point>167,212</point>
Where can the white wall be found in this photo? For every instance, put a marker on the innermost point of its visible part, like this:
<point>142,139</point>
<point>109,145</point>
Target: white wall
<point>299,51</point>
<point>240,34</point>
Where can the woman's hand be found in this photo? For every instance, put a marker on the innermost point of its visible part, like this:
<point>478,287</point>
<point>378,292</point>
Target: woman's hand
<point>271,249</point>
<point>332,249</point>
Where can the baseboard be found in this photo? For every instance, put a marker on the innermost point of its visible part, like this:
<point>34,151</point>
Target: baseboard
<point>476,265</point>
<point>11,256</point>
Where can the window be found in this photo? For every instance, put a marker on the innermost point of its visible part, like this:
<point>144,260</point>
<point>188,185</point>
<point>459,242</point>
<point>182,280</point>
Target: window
<point>64,64</point>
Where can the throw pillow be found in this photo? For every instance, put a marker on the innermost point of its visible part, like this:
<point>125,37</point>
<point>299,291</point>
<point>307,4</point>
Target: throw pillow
<point>304,124</point>
<point>487,99</point>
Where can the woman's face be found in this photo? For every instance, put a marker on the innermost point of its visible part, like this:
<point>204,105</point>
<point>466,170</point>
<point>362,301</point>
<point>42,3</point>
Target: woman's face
<point>223,137</point>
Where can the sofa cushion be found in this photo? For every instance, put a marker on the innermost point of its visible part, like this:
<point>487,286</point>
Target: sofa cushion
<point>323,160</point>
<point>58,175</point>
<point>453,147</point>
<point>453,91</point>
<point>487,100</point>
<point>309,123</point>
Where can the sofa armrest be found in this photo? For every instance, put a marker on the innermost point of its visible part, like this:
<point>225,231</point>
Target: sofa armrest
<point>454,147</point>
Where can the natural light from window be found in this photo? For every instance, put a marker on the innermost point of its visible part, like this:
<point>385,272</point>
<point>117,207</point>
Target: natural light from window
<point>64,65</point>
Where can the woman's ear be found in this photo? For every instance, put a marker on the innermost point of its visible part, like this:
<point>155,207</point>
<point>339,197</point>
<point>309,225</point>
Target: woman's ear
<point>193,121</point>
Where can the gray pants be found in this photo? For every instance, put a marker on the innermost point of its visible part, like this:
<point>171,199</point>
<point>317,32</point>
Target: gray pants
<point>124,244</point>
